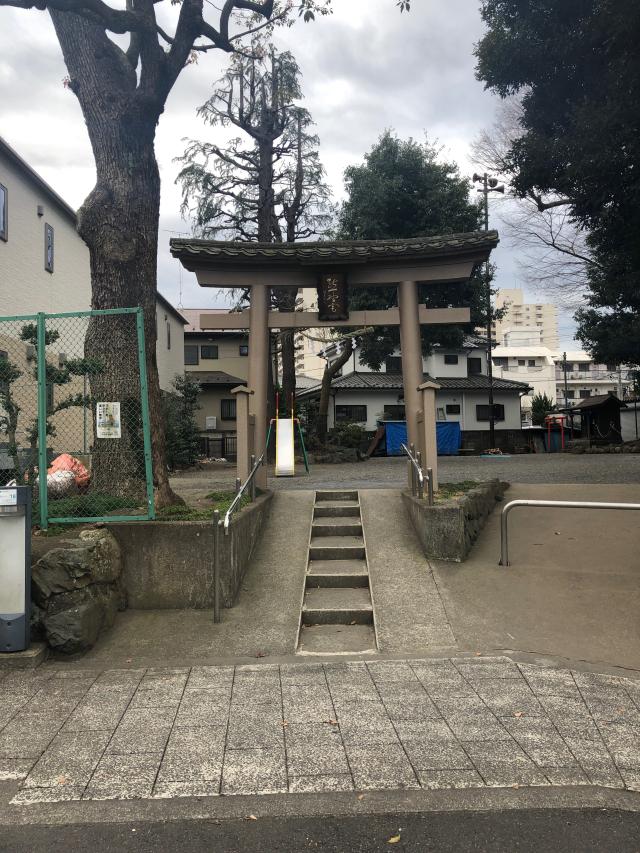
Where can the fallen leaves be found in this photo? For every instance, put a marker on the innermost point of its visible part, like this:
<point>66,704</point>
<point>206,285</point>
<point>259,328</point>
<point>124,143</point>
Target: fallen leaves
<point>251,817</point>
<point>394,839</point>
<point>519,714</point>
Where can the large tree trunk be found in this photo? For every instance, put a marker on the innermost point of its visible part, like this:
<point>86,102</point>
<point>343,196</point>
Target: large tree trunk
<point>119,223</point>
<point>325,391</point>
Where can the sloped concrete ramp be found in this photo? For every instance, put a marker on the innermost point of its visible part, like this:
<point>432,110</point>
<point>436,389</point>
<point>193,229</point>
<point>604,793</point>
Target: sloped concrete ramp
<point>409,612</point>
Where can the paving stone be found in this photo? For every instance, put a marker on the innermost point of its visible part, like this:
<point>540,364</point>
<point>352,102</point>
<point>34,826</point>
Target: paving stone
<point>69,760</point>
<point>314,758</point>
<point>299,712</point>
<point>439,779</point>
<point>382,768</point>
<point>124,677</point>
<point>201,707</point>
<point>423,729</point>
<point>63,793</point>
<point>549,682</point>
<point>27,736</point>
<point>302,675</point>
<point>613,712</point>
<point>477,669</point>
<point>479,726</point>
<point>436,755</point>
<point>504,764</point>
<point>563,708</point>
<point>631,779</point>
<point>595,760</point>
<point>254,771</point>
<point>254,733</point>
<point>193,755</point>
<point>168,790</point>
<point>142,730</point>
<point>210,677</point>
<point>416,709</point>
<point>14,768</point>
<point>123,777</point>
<point>368,738</point>
<point>320,784</point>
<point>95,716</point>
<point>565,775</point>
<point>505,696</point>
<point>391,671</point>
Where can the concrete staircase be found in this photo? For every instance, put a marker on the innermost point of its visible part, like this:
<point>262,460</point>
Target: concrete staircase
<point>337,611</point>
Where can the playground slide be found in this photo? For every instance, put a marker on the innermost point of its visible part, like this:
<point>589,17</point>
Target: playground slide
<point>284,447</point>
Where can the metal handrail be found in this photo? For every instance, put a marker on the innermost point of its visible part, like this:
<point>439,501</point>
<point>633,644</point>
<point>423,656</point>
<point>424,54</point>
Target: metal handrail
<point>249,482</point>
<point>217,524</point>
<point>418,474</point>
<point>504,532</point>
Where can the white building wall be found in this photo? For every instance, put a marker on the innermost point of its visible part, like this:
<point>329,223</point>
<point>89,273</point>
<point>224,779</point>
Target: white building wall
<point>25,286</point>
<point>375,402</point>
<point>169,347</point>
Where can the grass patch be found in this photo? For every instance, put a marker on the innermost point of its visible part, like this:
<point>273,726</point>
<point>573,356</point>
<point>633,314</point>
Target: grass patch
<point>447,491</point>
<point>220,500</point>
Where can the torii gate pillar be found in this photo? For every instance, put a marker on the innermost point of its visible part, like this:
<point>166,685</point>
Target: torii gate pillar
<point>259,363</point>
<point>411,351</point>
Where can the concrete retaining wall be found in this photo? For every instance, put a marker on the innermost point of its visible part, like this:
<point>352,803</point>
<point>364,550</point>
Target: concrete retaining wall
<point>169,565</point>
<point>448,530</point>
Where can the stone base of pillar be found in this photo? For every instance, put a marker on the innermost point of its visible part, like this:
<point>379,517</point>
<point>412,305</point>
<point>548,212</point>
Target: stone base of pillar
<point>428,440</point>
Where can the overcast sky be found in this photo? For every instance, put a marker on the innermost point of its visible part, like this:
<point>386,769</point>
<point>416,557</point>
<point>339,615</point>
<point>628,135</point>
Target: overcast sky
<point>365,68</point>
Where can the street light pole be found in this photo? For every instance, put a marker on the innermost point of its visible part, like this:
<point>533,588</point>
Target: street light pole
<point>489,185</point>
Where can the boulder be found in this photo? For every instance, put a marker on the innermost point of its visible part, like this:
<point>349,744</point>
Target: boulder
<point>76,590</point>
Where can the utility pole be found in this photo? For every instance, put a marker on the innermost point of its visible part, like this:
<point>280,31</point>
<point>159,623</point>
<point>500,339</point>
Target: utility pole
<point>489,185</point>
<point>620,394</point>
<point>564,369</point>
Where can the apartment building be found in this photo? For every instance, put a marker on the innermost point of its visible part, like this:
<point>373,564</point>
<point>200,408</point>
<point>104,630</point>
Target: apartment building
<point>586,378</point>
<point>309,343</point>
<point>525,323</point>
<point>533,365</point>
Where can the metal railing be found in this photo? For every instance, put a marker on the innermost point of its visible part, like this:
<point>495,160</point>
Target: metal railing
<point>504,531</point>
<point>241,488</point>
<point>418,474</point>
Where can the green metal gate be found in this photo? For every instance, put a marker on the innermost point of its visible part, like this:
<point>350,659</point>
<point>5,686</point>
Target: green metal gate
<point>74,415</point>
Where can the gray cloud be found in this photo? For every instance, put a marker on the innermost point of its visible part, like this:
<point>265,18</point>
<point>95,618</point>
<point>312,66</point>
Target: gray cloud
<point>365,68</point>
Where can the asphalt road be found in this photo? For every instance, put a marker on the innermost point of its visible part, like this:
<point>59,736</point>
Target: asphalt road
<point>509,831</point>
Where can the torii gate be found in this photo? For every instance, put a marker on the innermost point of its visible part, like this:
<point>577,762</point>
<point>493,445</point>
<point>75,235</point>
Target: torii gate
<point>332,268</point>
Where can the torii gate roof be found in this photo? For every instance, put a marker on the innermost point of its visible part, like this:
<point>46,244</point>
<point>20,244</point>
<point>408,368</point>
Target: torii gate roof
<point>450,257</point>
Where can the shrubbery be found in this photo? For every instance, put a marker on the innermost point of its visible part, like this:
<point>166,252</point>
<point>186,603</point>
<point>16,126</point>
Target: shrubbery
<point>181,430</point>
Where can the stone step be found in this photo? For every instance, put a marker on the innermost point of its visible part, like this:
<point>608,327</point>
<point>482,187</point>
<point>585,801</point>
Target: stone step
<point>337,573</point>
<point>336,527</point>
<point>337,640</point>
<point>337,495</point>
<point>336,510</point>
<point>322,549</point>
<point>331,606</point>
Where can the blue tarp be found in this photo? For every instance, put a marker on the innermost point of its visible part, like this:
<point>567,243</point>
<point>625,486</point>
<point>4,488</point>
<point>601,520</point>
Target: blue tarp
<point>448,437</point>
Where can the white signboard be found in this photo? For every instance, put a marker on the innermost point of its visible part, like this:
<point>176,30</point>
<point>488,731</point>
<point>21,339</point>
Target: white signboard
<point>108,420</point>
<point>8,497</point>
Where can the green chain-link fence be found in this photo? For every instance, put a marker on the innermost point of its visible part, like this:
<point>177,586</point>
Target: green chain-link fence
<point>74,414</point>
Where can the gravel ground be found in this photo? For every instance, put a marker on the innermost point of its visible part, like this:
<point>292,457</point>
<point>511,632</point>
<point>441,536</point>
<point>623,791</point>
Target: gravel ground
<point>391,472</point>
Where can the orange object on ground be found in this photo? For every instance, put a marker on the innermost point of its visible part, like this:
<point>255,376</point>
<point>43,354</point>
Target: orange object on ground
<point>66,462</point>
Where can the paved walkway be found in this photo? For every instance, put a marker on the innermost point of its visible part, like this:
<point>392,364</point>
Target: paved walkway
<point>72,734</point>
<point>391,472</point>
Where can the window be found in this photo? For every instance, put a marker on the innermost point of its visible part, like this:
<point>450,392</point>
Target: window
<point>482,412</point>
<point>584,393</point>
<point>48,247</point>
<point>191,354</point>
<point>474,366</point>
<point>228,410</point>
<point>351,414</point>
<point>521,362</point>
<point>570,395</point>
<point>450,359</point>
<point>168,335</point>
<point>4,213</point>
<point>209,351</point>
<point>611,367</point>
<point>393,364</point>
<point>501,362</point>
<point>244,349</point>
<point>531,362</point>
<point>453,408</point>
<point>584,367</point>
<point>440,416</point>
<point>394,412</point>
